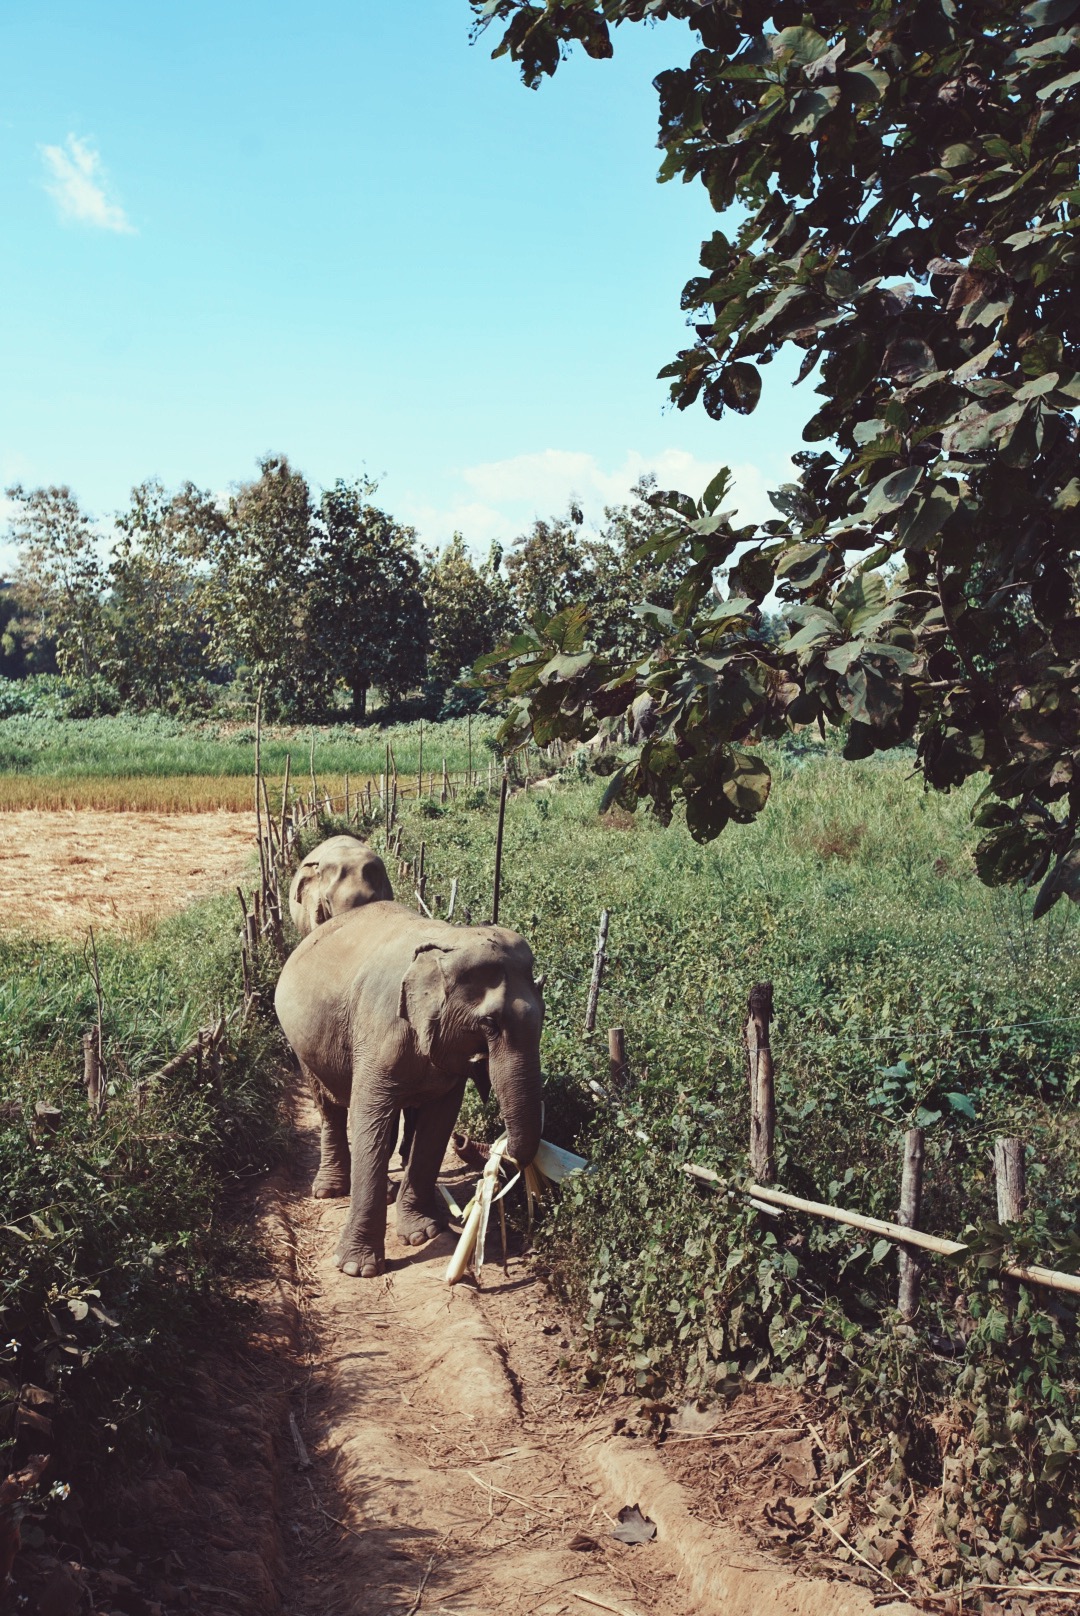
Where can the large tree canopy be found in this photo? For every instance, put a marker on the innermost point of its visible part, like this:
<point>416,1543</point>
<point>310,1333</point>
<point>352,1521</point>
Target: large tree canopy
<point>899,184</point>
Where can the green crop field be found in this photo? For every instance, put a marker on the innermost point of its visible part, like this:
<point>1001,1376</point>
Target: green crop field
<point>151,762</point>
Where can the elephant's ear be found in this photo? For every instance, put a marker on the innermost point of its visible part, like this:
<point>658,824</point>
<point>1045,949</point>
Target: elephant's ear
<point>300,890</point>
<point>423,995</point>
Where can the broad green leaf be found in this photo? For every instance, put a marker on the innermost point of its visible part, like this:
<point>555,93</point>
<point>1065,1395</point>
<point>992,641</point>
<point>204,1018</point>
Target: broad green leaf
<point>892,492</point>
<point>924,519</point>
<point>562,668</point>
<point>740,384</point>
<point>746,783</point>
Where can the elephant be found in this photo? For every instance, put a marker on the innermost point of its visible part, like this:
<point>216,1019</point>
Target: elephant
<point>341,873</point>
<point>385,1008</point>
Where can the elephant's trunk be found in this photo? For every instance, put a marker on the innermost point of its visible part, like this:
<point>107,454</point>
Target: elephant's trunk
<point>516,1081</point>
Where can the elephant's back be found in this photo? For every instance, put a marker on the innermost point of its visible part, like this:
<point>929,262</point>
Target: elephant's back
<point>353,962</point>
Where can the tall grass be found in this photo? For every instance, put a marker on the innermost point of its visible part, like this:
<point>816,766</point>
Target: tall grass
<point>114,1257</point>
<point>66,749</point>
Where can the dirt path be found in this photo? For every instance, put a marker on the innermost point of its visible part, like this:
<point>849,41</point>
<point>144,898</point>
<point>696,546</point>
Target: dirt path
<point>452,1470</point>
<point>458,1482</point>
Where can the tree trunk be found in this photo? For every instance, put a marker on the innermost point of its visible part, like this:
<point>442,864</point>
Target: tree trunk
<point>359,702</point>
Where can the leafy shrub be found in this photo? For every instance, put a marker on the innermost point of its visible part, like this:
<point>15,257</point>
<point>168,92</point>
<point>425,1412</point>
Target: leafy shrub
<point>112,1251</point>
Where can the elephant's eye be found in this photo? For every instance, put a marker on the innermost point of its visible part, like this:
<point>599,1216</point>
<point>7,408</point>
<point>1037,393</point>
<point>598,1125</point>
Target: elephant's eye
<point>489,1024</point>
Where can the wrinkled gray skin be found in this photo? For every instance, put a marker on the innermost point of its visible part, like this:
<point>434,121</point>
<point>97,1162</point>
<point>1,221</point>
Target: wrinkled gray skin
<point>341,873</point>
<point>386,1008</point>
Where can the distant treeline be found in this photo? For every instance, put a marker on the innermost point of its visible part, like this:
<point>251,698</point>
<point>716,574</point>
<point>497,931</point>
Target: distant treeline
<point>319,602</point>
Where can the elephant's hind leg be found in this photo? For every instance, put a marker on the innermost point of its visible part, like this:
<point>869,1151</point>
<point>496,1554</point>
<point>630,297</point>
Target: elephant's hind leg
<point>332,1178</point>
<point>374,1122</point>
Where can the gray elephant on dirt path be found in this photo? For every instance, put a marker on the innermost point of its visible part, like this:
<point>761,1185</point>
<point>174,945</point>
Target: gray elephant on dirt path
<point>341,873</point>
<point>385,1008</point>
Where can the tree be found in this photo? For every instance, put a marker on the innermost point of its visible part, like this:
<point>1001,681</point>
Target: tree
<point>467,607</point>
<point>546,567</point>
<point>60,581</point>
<point>261,556</point>
<point>623,577</point>
<point>158,623</point>
<point>903,179</point>
<point>366,617</point>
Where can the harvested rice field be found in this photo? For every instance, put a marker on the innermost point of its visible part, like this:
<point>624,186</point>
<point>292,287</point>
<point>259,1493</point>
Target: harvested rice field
<point>67,869</point>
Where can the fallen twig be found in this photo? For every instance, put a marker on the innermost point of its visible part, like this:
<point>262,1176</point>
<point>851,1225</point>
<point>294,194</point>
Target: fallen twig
<point>591,1599</point>
<point>528,1502</point>
<point>415,1606</point>
<point>303,1459</point>
<point>730,1436</point>
<point>869,1564</point>
<point>848,1474</point>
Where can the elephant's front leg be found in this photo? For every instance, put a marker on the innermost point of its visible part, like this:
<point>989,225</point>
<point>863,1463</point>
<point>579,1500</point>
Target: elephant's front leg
<point>332,1178</point>
<point>374,1120</point>
<point>421,1210</point>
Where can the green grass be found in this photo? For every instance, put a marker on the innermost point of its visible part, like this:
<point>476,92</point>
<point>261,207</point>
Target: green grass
<point>67,748</point>
<point>114,1255</point>
<point>904,991</point>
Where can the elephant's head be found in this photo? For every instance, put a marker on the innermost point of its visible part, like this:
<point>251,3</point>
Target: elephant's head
<point>474,999</point>
<point>341,873</point>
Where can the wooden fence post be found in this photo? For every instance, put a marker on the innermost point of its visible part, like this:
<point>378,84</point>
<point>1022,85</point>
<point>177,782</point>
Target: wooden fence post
<point>92,1070</point>
<point>453,898</point>
<point>499,851</point>
<point>1010,1178</point>
<point>597,971</point>
<point>285,806</point>
<point>616,1043</point>
<point>910,1206</point>
<point>762,1094</point>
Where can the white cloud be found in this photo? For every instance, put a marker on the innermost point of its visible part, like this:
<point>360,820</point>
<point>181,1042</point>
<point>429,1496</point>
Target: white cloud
<point>502,497</point>
<point>77,184</point>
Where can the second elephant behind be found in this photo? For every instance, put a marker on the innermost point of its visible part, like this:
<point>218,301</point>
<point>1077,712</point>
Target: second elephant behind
<point>341,873</point>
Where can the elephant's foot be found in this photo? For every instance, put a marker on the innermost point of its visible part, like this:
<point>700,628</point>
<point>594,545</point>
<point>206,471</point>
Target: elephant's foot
<point>419,1221</point>
<point>330,1182</point>
<point>356,1259</point>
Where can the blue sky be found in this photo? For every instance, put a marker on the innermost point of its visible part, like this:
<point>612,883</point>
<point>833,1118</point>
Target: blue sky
<point>343,232</point>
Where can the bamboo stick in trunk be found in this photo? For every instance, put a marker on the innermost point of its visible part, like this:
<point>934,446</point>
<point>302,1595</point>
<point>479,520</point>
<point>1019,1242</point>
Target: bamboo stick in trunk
<point>616,1043</point>
<point>92,1070</point>
<point>1010,1179</point>
<point>285,804</point>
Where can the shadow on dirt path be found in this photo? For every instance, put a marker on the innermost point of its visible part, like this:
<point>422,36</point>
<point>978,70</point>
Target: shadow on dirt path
<point>434,1484</point>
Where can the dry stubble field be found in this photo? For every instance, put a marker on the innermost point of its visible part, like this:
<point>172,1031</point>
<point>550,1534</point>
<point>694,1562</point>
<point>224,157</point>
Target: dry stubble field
<point>64,870</point>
